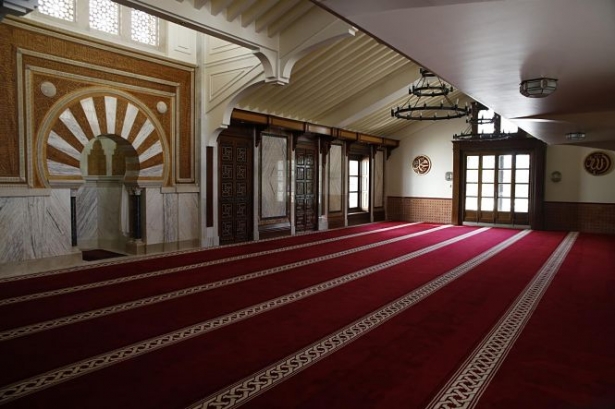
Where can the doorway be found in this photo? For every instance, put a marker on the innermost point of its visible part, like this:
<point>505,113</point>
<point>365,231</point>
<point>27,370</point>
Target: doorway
<point>235,208</point>
<point>306,189</point>
<point>497,188</point>
<point>499,182</point>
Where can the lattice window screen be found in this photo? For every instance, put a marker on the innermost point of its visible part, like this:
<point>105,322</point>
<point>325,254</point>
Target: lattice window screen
<point>105,16</point>
<point>62,9</point>
<point>143,28</point>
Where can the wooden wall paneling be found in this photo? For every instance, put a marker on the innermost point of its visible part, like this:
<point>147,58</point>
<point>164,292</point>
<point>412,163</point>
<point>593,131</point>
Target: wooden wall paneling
<point>209,192</point>
<point>306,187</point>
<point>235,195</point>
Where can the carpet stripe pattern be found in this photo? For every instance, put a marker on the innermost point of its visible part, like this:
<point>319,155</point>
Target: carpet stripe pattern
<point>382,315</point>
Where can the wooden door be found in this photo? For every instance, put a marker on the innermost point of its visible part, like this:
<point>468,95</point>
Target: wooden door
<point>235,194</point>
<point>306,212</point>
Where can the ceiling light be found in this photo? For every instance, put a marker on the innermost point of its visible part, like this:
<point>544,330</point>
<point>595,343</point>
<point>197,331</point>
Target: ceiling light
<point>425,105</point>
<point>538,87</point>
<point>575,136</point>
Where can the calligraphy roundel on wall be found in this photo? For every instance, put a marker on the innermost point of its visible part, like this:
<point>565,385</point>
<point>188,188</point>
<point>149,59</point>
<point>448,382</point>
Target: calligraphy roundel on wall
<point>597,163</point>
<point>421,164</point>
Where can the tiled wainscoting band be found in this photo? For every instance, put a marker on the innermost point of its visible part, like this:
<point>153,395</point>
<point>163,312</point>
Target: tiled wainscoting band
<point>414,209</point>
<point>583,217</point>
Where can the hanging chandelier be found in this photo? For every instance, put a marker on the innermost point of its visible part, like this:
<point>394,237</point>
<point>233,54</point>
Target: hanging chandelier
<point>475,122</point>
<point>425,106</point>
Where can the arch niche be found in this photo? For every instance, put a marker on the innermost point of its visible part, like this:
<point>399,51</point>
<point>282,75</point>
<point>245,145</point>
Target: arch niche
<point>107,143</point>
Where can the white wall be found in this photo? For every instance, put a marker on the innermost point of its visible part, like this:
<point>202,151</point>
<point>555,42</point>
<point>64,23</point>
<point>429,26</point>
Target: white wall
<point>577,185</point>
<point>434,140</point>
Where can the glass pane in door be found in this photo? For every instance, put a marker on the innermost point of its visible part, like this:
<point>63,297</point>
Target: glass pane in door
<point>471,203</point>
<point>522,161</point>
<point>472,189</point>
<point>472,162</point>
<point>521,205</point>
<point>505,161</point>
<point>503,204</point>
<point>488,162</point>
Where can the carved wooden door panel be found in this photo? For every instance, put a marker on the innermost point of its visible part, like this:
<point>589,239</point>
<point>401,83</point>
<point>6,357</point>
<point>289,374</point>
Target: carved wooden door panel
<point>306,214</point>
<point>235,194</point>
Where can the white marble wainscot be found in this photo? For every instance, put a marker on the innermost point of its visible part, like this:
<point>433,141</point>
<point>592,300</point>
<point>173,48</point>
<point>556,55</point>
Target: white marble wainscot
<point>49,232</point>
<point>274,176</point>
<point>188,216</point>
<point>170,217</point>
<point>12,226</point>
<point>379,179</point>
<point>35,227</point>
<point>335,178</point>
<point>86,203</point>
<point>153,218</point>
<point>109,215</point>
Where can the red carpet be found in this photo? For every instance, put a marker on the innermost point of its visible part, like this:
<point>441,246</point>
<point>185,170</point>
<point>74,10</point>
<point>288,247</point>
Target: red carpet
<point>573,328</point>
<point>366,317</point>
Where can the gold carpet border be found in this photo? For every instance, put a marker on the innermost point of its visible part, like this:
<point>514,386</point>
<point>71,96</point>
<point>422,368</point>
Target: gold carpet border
<point>72,319</point>
<point>126,279</point>
<point>54,377</point>
<point>250,387</point>
<point>467,386</point>
<point>136,258</point>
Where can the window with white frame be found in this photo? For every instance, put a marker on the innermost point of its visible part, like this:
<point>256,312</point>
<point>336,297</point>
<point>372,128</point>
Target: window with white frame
<point>358,184</point>
<point>107,17</point>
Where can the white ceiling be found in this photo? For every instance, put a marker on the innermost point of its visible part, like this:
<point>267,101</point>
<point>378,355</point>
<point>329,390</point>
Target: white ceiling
<point>482,47</point>
<point>485,48</point>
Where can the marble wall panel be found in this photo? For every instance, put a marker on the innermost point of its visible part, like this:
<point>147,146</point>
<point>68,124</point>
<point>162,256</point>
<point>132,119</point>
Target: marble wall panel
<point>55,238</point>
<point>86,202</point>
<point>170,218</point>
<point>335,178</point>
<point>188,216</point>
<point>274,176</point>
<point>34,234</point>
<point>154,230</point>
<point>12,226</point>
<point>109,212</point>
<point>35,226</point>
<point>379,179</point>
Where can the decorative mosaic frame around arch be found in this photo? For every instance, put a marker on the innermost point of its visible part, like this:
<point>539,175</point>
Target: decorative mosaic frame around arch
<point>88,113</point>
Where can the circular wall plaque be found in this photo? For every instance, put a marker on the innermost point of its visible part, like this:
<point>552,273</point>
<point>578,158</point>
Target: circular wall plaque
<point>597,163</point>
<point>421,164</point>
